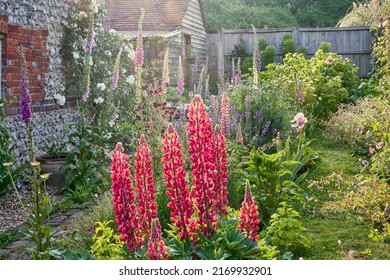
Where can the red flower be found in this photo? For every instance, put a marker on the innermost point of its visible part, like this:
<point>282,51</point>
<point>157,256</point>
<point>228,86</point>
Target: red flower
<point>200,134</point>
<point>124,200</point>
<point>220,171</point>
<point>176,183</point>
<point>146,194</point>
<point>156,249</point>
<point>249,221</point>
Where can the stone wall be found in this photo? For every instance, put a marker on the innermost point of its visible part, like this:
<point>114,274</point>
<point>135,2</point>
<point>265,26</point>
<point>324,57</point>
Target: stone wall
<point>50,128</point>
<point>37,25</point>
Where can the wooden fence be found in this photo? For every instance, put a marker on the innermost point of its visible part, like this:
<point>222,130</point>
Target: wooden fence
<point>353,42</point>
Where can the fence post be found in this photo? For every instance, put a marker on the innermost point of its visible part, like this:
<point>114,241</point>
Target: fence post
<point>295,34</point>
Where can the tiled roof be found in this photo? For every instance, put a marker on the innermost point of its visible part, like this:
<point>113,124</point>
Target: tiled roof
<point>161,15</point>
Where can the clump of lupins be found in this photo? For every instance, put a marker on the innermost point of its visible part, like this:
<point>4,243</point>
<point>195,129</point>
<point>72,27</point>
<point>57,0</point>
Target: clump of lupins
<point>115,77</point>
<point>200,133</point>
<point>180,78</point>
<point>123,197</point>
<point>146,193</point>
<point>156,250</point>
<point>249,221</point>
<point>177,190</point>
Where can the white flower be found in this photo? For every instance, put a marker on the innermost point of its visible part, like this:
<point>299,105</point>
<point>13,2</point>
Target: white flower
<point>101,86</point>
<point>131,54</point>
<point>130,80</point>
<point>60,99</point>
<point>98,100</point>
<point>112,31</point>
<point>76,55</point>
<point>83,15</point>
<point>90,61</point>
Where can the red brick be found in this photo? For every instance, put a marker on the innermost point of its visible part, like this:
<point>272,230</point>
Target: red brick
<point>3,27</point>
<point>11,42</point>
<point>45,32</point>
<point>13,28</point>
<point>10,49</point>
<point>12,69</point>
<point>17,90</point>
<point>12,55</point>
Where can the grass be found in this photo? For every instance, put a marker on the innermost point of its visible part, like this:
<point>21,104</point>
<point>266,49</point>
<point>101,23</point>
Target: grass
<point>325,230</point>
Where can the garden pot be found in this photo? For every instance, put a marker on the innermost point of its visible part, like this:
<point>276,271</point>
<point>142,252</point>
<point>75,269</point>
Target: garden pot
<point>53,164</point>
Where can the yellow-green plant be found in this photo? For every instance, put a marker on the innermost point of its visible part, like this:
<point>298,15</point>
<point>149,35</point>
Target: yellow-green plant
<point>106,244</point>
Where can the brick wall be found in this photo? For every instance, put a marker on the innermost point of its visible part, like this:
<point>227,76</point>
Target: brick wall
<point>34,42</point>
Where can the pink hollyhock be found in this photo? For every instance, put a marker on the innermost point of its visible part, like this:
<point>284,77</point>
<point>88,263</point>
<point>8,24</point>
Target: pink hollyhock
<point>124,200</point>
<point>115,77</point>
<point>220,171</point>
<point>225,115</point>
<point>200,134</point>
<point>146,193</point>
<point>176,183</point>
<point>249,221</point>
<point>156,249</point>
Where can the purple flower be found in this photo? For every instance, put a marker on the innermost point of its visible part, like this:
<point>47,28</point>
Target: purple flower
<point>365,162</point>
<point>86,94</point>
<point>89,46</point>
<point>26,98</point>
<point>387,209</point>
<point>266,128</point>
<point>113,119</point>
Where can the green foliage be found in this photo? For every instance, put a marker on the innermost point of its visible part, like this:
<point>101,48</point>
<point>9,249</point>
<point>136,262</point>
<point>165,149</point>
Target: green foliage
<point>275,177</point>
<point>268,55</point>
<point>302,50</point>
<point>326,80</point>
<point>222,14</point>
<point>85,225</point>
<point>106,244</point>
<point>38,230</point>
<point>262,43</point>
<point>325,47</point>
<point>288,46</point>
<point>351,125</point>
<point>239,49</point>
<point>5,152</point>
<point>286,230</point>
<point>86,169</point>
<point>286,36</point>
<point>227,243</point>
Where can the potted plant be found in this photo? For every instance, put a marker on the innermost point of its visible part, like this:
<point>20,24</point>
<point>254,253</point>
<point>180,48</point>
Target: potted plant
<point>53,162</point>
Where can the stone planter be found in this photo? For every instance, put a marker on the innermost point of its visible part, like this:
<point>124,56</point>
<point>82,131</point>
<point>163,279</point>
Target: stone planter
<point>53,164</point>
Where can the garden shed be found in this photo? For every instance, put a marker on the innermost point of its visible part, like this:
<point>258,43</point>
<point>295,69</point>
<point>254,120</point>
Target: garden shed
<point>179,23</point>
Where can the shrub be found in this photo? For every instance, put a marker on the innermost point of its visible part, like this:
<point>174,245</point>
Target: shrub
<point>351,125</point>
<point>302,50</point>
<point>268,55</point>
<point>286,231</point>
<point>325,81</point>
<point>288,46</point>
<point>262,43</point>
<point>286,36</point>
<point>325,47</point>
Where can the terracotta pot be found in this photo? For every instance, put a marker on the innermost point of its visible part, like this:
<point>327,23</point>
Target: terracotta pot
<point>53,164</point>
